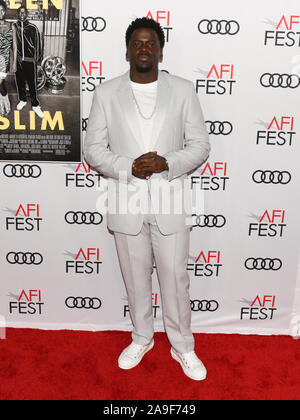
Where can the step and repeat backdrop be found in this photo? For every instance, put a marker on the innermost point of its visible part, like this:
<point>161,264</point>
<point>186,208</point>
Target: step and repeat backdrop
<point>59,267</point>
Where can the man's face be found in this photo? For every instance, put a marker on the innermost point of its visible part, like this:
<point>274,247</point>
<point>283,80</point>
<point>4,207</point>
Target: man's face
<point>144,51</point>
<point>22,14</point>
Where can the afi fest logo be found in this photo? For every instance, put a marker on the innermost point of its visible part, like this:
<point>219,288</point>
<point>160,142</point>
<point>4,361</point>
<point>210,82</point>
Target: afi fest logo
<point>82,177</point>
<point>163,17</point>
<point>206,264</point>
<point>286,33</point>
<point>279,132</point>
<point>213,177</point>
<point>26,218</point>
<point>262,308</point>
<point>85,261</point>
<point>270,224</point>
<point>93,75</point>
<point>219,80</point>
<point>29,302</point>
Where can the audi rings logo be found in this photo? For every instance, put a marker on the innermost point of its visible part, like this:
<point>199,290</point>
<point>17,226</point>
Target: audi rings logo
<point>221,27</point>
<point>83,302</point>
<point>204,305</point>
<point>209,220</point>
<point>219,127</point>
<point>84,124</point>
<point>22,171</point>
<point>83,218</point>
<point>277,80</point>
<point>271,177</point>
<point>27,258</point>
<point>91,24</point>
<point>263,264</point>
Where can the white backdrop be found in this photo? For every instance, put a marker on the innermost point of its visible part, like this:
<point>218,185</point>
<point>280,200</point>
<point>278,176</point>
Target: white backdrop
<point>244,256</point>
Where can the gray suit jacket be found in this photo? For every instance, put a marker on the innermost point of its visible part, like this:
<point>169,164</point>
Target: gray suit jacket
<point>113,140</point>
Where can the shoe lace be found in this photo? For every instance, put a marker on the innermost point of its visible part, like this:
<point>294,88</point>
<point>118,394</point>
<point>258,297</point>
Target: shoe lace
<point>134,350</point>
<point>191,360</point>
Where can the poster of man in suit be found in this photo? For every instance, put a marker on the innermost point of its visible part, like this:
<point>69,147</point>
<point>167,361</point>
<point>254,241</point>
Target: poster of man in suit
<point>40,81</point>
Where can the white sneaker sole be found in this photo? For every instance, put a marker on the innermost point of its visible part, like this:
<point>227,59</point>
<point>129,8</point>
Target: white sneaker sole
<point>20,107</point>
<point>40,114</point>
<point>174,355</point>
<point>150,346</point>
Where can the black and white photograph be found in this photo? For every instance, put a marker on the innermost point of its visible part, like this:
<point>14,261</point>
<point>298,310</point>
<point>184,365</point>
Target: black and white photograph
<point>40,81</point>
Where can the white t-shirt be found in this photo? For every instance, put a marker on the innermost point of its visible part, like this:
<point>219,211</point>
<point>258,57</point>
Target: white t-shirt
<point>145,95</point>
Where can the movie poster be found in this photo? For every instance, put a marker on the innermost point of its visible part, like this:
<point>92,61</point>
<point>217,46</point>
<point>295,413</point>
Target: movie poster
<point>40,81</point>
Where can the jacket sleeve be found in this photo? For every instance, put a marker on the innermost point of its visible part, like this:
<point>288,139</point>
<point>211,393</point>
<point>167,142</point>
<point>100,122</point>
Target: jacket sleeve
<point>38,48</point>
<point>196,148</point>
<point>13,63</point>
<point>96,145</point>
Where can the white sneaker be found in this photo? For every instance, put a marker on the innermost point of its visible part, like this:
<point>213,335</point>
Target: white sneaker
<point>191,365</point>
<point>21,105</point>
<point>133,354</point>
<point>38,111</point>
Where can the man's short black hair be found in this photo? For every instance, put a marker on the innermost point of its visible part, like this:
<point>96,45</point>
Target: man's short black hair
<point>146,23</point>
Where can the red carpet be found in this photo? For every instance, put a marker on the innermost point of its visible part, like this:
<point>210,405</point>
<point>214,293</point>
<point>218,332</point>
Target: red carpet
<point>73,365</point>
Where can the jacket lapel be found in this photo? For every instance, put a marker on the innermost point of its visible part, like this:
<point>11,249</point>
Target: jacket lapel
<point>128,107</point>
<point>163,103</point>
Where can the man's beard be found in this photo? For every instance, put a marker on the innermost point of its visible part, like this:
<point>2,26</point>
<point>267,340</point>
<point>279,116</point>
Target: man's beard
<point>140,69</point>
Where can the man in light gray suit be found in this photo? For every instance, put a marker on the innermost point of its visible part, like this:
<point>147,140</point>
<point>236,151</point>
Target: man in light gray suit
<point>146,132</point>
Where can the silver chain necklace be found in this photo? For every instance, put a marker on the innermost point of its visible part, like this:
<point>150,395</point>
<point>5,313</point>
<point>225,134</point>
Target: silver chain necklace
<point>139,109</point>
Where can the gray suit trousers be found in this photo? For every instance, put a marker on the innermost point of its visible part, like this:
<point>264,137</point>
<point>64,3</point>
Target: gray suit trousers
<point>170,252</point>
